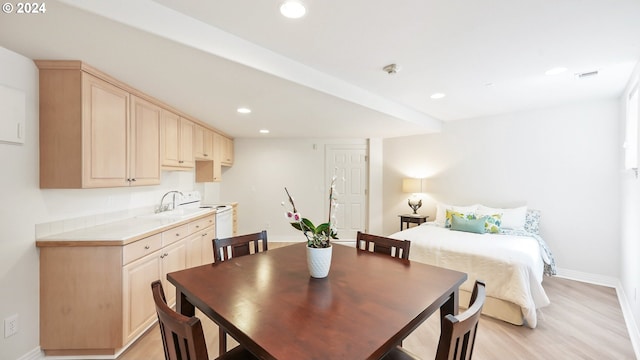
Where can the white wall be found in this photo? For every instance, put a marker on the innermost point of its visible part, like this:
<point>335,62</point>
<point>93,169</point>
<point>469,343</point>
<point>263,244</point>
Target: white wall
<point>563,161</point>
<point>630,213</point>
<point>24,205</point>
<point>263,168</point>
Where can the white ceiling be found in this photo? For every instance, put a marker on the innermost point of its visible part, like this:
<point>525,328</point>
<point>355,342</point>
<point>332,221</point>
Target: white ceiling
<point>321,76</point>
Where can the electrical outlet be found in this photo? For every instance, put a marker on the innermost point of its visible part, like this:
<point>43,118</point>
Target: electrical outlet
<point>11,325</point>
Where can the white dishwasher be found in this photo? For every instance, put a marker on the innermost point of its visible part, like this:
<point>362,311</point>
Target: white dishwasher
<point>224,221</point>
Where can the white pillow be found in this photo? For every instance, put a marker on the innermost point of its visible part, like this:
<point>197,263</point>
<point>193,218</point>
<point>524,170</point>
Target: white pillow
<point>513,218</point>
<point>441,211</point>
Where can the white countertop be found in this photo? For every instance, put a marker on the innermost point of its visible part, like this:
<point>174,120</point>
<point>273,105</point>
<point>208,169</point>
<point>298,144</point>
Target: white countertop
<point>123,231</point>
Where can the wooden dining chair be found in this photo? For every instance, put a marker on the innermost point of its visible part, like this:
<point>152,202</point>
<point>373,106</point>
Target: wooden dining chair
<point>457,333</point>
<point>182,336</point>
<point>240,245</point>
<point>236,246</point>
<point>384,245</point>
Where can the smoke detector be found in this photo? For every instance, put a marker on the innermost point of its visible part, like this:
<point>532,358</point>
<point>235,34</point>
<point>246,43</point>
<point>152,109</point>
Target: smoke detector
<point>391,69</point>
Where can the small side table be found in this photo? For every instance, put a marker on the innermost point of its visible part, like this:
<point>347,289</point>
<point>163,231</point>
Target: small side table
<point>412,219</point>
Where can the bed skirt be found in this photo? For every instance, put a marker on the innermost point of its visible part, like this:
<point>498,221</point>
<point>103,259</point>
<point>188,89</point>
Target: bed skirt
<point>496,308</point>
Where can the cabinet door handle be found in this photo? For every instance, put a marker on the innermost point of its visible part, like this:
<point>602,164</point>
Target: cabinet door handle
<point>133,179</point>
<point>177,234</point>
<point>203,235</point>
<point>197,226</point>
<point>146,247</point>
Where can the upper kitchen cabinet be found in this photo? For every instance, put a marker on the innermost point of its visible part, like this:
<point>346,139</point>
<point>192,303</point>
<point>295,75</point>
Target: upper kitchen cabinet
<point>210,169</point>
<point>176,142</point>
<point>144,158</point>
<point>225,146</point>
<point>93,132</point>
<point>203,143</point>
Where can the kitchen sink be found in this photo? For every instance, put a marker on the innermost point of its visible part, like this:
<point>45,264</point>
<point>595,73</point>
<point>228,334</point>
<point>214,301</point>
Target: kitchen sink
<point>177,214</point>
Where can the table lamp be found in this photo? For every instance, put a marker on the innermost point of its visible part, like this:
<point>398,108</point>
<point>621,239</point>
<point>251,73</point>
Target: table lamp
<point>414,186</point>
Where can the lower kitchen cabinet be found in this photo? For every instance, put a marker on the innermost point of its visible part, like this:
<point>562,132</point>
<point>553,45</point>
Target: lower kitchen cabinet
<point>139,309</point>
<point>200,247</point>
<point>95,296</point>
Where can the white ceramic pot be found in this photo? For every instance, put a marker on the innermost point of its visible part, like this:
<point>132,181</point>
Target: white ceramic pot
<point>319,261</point>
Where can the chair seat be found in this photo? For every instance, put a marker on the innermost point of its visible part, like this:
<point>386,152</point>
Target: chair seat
<point>400,353</point>
<point>237,353</point>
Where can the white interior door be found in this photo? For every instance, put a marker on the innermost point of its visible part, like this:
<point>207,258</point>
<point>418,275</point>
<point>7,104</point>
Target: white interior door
<point>350,163</point>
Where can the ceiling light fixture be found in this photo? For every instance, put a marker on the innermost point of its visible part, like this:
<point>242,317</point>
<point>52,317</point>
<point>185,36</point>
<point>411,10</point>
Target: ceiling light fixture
<point>555,71</point>
<point>243,110</point>
<point>292,9</point>
<point>264,131</point>
<point>438,96</point>
<point>391,69</point>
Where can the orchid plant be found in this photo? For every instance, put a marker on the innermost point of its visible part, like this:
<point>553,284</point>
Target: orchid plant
<point>317,236</point>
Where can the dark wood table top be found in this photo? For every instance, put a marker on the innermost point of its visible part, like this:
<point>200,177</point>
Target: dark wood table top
<point>270,304</point>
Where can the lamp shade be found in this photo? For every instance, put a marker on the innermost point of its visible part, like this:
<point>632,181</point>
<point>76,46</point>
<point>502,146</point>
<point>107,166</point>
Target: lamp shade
<point>411,185</point>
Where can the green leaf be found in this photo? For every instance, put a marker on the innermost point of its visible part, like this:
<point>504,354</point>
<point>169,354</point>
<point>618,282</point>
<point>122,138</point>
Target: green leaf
<point>309,225</point>
<point>322,229</point>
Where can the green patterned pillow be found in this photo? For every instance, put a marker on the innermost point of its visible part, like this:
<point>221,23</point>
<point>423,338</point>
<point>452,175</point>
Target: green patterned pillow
<point>473,225</point>
<point>492,223</point>
<point>450,213</point>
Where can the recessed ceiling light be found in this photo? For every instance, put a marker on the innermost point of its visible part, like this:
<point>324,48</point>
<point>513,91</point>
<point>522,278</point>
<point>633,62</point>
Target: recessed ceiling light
<point>243,110</point>
<point>292,9</point>
<point>438,96</point>
<point>555,71</point>
<point>264,131</point>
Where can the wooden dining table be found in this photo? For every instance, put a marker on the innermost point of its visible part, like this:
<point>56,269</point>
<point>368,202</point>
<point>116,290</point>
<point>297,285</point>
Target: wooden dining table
<point>268,302</point>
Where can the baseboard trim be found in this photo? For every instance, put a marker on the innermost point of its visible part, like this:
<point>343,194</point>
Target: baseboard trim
<point>595,279</point>
<point>632,325</point>
<point>35,354</point>
<point>612,282</point>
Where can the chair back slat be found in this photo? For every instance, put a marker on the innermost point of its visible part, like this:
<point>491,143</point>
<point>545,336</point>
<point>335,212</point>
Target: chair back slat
<point>383,245</point>
<point>236,246</point>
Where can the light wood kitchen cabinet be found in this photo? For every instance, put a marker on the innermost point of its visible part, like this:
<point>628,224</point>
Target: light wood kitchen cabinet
<point>138,307</point>
<point>95,296</point>
<point>88,137</point>
<point>203,143</point>
<point>211,170</point>
<point>176,142</point>
<point>208,171</point>
<point>96,131</point>
<point>200,246</point>
<point>224,148</point>
<point>144,157</point>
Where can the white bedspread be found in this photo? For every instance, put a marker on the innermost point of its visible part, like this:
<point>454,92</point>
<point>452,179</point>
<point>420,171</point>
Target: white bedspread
<point>511,266</point>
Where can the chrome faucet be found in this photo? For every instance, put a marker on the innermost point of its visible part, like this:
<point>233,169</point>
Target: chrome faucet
<point>162,207</point>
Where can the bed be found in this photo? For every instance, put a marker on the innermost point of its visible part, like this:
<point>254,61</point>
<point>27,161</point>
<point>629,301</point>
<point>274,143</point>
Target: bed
<point>512,260</point>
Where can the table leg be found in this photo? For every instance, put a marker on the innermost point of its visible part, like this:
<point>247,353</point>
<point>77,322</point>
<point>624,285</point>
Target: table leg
<point>451,305</point>
<point>183,306</point>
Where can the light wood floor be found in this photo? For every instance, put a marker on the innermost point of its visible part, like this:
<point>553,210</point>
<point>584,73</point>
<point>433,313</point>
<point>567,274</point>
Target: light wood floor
<point>584,321</point>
